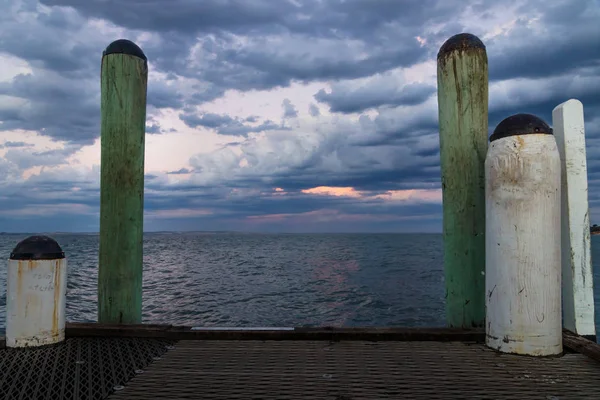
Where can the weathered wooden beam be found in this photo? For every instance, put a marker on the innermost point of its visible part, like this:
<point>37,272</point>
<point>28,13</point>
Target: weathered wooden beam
<point>462,82</point>
<point>577,277</point>
<point>580,344</point>
<point>317,333</point>
<point>116,330</point>
<point>124,80</point>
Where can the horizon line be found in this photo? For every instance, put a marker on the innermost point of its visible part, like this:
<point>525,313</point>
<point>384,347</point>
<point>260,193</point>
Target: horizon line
<point>225,231</point>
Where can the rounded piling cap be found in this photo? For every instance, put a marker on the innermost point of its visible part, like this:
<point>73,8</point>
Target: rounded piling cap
<point>462,41</point>
<point>520,124</point>
<point>124,46</point>
<point>37,248</point>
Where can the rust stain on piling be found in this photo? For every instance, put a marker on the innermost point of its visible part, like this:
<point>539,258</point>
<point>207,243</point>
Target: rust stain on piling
<point>56,298</point>
<point>19,277</point>
<point>20,288</point>
<point>460,43</point>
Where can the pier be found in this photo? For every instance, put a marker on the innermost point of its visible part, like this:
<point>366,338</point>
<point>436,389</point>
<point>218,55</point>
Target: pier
<point>99,361</point>
<point>505,304</point>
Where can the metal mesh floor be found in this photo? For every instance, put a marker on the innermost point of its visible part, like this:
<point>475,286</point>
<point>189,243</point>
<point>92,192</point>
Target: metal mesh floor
<point>359,370</point>
<point>78,369</point>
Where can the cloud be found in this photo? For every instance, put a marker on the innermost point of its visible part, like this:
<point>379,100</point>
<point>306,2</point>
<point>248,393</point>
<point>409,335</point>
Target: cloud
<point>381,91</point>
<point>25,159</point>
<point>10,144</point>
<point>289,110</point>
<point>554,46</point>
<point>49,103</point>
<point>539,96</point>
<point>180,171</point>
<point>226,125</point>
<point>184,16</point>
<point>162,94</point>
<point>257,45</point>
<point>153,128</point>
<point>354,82</point>
<point>330,152</point>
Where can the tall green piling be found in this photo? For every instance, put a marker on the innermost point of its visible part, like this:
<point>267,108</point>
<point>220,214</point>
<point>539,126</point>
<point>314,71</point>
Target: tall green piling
<point>462,78</point>
<point>124,81</point>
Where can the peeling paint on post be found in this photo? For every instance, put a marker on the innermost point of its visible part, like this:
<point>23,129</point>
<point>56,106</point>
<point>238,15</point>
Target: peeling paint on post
<point>577,277</point>
<point>523,252</point>
<point>124,80</point>
<point>35,298</point>
<point>462,78</point>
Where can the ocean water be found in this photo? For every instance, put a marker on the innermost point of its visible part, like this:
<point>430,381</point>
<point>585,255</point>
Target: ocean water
<point>276,280</point>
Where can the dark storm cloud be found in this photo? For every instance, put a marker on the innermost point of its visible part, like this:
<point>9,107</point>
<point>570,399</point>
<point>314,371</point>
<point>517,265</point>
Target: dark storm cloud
<point>161,95</point>
<point>153,128</point>
<point>255,202</point>
<point>390,179</point>
<point>186,16</point>
<point>47,41</point>
<point>226,125</point>
<point>310,40</point>
<point>570,41</point>
<point>10,144</point>
<point>347,19</point>
<point>252,44</point>
<point>40,198</point>
<point>60,98</point>
<point>51,105</point>
<point>180,171</point>
<point>244,212</point>
<point>338,159</point>
<point>347,100</point>
<point>541,96</point>
<point>313,110</point>
<point>208,120</point>
<point>289,110</point>
<point>261,63</point>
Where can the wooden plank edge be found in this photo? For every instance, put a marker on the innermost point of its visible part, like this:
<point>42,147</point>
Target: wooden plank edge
<point>318,333</point>
<point>582,345</point>
<point>571,341</point>
<point>86,329</point>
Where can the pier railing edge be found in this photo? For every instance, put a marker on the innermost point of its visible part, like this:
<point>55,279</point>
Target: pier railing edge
<point>581,344</point>
<point>297,333</point>
<point>571,341</point>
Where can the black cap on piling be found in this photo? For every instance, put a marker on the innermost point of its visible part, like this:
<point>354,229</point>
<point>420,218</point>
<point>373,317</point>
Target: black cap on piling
<point>520,124</point>
<point>37,248</point>
<point>462,41</point>
<point>124,46</point>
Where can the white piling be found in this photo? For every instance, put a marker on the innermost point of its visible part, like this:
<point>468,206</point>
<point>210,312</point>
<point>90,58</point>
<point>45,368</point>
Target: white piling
<point>577,277</point>
<point>523,239</point>
<point>37,282</point>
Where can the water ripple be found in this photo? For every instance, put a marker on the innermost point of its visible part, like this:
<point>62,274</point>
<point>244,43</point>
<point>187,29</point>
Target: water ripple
<point>270,280</point>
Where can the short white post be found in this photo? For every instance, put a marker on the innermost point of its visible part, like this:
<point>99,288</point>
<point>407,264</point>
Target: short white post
<point>523,253</point>
<point>37,282</point>
<point>577,278</point>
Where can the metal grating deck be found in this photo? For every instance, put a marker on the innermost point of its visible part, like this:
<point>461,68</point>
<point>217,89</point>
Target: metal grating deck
<point>78,369</point>
<point>137,368</point>
<point>359,370</point>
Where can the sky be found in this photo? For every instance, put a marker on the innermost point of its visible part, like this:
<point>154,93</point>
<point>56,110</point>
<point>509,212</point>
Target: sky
<point>273,115</point>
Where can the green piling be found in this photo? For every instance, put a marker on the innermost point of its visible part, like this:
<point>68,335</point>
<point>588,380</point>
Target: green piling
<point>462,78</point>
<point>124,81</point>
